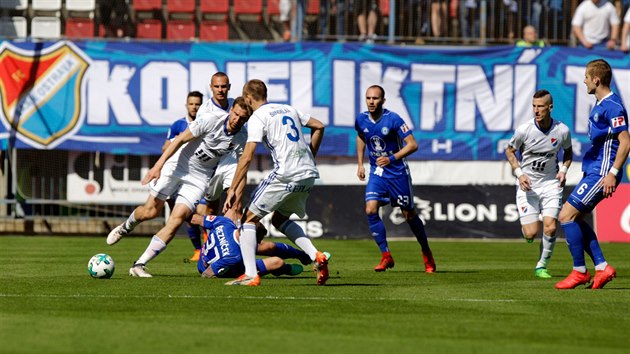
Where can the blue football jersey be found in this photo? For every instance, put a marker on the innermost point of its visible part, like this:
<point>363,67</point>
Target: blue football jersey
<point>221,247</point>
<point>608,118</point>
<point>176,128</point>
<point>383,138</point>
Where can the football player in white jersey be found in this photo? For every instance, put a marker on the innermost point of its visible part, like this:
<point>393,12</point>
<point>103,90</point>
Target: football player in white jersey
<point>187,173</point>
<point>539,179</point>
<point>285,190</point>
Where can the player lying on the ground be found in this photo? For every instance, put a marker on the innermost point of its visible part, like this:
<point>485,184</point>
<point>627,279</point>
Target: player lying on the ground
<point>221,254</point>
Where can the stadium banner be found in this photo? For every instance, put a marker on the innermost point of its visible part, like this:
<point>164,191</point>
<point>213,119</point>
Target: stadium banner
<point>479,211</point>
<point>121,97</point>
<point>612,216</point>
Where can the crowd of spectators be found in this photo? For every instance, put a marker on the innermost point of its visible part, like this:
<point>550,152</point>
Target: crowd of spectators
<point>586,23</point>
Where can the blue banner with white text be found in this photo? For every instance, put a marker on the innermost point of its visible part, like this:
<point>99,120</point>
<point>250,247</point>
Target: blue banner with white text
<point>121,97</point>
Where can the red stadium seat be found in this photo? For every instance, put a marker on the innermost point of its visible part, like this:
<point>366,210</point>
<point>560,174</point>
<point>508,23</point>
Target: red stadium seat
<point>214,6</point>
<point>180,29</point>
<point>147,5</point>
<point>273,7</point>
<point>251,7</point>
<point>149,29</point>
<point>214,31</point>
<point>313,7</point>
<point>79,28</point>
<point>384,7</point>
<point>187,6</point>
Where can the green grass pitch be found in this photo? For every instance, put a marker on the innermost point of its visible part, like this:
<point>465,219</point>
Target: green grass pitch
<point>483,299</point>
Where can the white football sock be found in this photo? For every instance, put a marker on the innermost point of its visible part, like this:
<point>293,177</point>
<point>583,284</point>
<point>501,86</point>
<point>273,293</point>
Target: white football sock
<point>548,243</point>
<point>156,246</point>
<point>601,266</point>
<point>131,222</point>
<point>295,233</point>
<point>248,248</point>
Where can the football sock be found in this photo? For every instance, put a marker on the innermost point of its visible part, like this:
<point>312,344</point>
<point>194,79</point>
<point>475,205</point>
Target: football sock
<point>248,248</point>
<point>285,251</point>
<point>156,246</point>
<point>194,233</point>
<point>285,269</point>
<point>546,250</point>
<point>131,222</point>
<point>591,243</point>
<point>377,228</point>
<point>262,269</point>
<point>574,241</point>
<point>295,233</point>
<point>418,230</point>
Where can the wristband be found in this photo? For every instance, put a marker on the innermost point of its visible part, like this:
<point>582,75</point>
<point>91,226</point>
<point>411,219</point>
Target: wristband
<point>564,169</point>
<point>518,172</point>
<point>392,158</point>
<point>614,171</point>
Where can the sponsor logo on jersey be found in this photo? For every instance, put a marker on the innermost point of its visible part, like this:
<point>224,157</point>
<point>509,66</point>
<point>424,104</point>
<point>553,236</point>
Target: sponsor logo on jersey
<point>404,128</point>
<point>618,122</point>
<point>378,144</point>
<point>523,209</point>
<point>596,117</point>
<point>554,142</point>
<point>385,130</point>
<point>43,93</point>
<point>210,217</point>
<point>366,130</point>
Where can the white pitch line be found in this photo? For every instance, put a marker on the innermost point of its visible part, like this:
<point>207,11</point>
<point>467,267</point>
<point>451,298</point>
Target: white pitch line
<point>246,297</point>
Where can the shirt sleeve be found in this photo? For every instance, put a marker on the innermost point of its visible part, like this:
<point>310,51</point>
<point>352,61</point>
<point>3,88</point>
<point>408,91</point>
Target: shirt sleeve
<point>402,129</point>
<point>566,142</point>
<point>618,119</point>
<point>517,139</point>
<point>304,117</point>
<point>578,17</point>
<point>255,129</point>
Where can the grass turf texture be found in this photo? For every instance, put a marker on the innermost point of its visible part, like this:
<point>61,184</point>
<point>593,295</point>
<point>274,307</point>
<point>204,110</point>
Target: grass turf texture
<point>484,299</point>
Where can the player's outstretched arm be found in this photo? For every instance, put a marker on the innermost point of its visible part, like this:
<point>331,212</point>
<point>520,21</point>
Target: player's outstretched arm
<point>234,194</point>
<point>317,134</point>
<point>181,139</point>
<point>360,155</point>
<point>610,180</point>
<point>523,181</point>
<point>567,159</point>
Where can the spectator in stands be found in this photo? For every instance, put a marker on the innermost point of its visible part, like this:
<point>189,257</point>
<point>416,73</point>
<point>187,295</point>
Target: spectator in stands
<point>625,33</point>
<point>469,19</point>
<point>596,24</point>
<point>285,17</point>
<point>367,17</point>
<point>114,17</point>
<point>439,17</point>
<point>328,9</point>
<point>530,38</point>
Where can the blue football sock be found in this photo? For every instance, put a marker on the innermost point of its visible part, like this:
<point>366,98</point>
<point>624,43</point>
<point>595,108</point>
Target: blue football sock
<point>591,245</point>
<point>574,237</point>
<point>378,231</point>
<point>194,233</point>
<point>285,251</point>
<point>418,230</point>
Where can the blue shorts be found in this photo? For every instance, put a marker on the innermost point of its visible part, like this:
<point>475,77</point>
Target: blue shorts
<point>396,191</point>
<point>228,267</point>
<point>588,192</point>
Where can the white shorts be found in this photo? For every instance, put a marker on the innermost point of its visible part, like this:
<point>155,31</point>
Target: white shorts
<point>187,189</point>
<point>545,198</point>
<point>286,198</point>
<point>222,178</point>
<point>285,10</point>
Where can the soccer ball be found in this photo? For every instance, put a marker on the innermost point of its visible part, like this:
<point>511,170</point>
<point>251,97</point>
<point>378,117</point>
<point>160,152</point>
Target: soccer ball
<point>101,266</point>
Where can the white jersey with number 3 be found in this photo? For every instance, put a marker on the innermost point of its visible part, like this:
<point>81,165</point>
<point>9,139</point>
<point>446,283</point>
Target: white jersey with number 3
<point>279,126</point>
<point>539,149</point>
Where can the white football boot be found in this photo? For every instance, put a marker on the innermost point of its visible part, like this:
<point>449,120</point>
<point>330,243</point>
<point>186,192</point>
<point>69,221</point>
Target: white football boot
<point>116,234</point>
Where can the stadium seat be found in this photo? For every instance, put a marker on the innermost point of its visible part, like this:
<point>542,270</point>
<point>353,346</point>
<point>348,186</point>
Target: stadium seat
<point>147,5</point>
<point>313,7</point>
<point>81,5</point>
<point>14,5</point>
<point>248,9</point>
<point>46,5</point>
<point>149,29</point>
<point>384,7</point>
<point>214,31</point>
<point>185,6</point>
<point>45,27</point>
<point>273,8</point>
<point>13,27</point>
<point>180,30</point>
<point>79,28</point>
<point>214,7</point>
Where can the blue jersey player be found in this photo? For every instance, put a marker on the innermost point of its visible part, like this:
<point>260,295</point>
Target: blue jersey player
<point>389,141</point>
<point>221,253</point>
<point>193,103</point>
<point>603,167</point>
